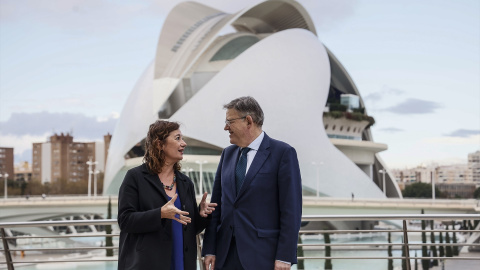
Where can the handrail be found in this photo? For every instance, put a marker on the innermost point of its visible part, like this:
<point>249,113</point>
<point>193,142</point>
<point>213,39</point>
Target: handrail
<point>10,262</point>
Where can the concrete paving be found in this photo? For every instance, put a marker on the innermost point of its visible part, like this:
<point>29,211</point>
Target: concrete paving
<point>459,264</point>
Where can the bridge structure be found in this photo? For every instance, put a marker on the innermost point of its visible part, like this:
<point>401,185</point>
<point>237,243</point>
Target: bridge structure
<point>66,207</point>
<point>84,208</point>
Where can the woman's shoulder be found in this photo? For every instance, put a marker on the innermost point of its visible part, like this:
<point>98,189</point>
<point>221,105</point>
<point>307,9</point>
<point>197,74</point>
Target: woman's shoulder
<point>136,172</point>
<point>137,169</point>
<point>183,177</point>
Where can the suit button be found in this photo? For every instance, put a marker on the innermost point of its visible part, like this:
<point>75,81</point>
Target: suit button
<point>186,249</point>
<point>185,228</point>
<point>231,227</point>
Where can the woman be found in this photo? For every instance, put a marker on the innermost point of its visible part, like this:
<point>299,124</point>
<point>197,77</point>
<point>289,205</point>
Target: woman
<point>157,210</point>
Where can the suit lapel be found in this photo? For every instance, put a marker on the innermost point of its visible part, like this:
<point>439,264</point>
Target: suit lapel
<point>182,189</point>
<point>230,171</point>
<point>262,155</point>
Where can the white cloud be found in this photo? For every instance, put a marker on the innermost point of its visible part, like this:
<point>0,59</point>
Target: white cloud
<point>414,106</point>
<point>22,143</point>
<point>112,115</point>
<point>473,140</point>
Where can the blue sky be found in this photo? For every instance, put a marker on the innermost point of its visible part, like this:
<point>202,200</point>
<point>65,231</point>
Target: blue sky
<point>68,66</point>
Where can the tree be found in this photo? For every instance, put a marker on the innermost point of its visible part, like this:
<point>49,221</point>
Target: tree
<point>425,262</point>
<point>455,247</point>
<point>476,193</point>
<point>328,262</point>
<point>301,263</point>
<point>449,252</point>
<point>441,248</point>
<point>390,260</point>
<point>420,190</point>
<point>433,248</point>
<point>108,229</point>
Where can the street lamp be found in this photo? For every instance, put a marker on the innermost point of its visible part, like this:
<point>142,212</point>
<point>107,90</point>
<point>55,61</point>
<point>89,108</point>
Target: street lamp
<point>95,182</point>
<point>433,185</point>
<point>90,163</point>
<point>5,191</point>
<point>383,171</point>
<point>200,163</point>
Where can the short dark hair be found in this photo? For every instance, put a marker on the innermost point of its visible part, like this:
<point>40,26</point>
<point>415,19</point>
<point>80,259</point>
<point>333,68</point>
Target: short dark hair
<point>156,137</point>
<point>247,106</point>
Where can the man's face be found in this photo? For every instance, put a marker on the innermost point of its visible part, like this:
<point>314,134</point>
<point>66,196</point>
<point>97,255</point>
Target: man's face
<point>236,125</point>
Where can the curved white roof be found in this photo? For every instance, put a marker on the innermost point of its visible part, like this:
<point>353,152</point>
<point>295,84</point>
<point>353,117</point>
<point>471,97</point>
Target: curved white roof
<point>287,70</point>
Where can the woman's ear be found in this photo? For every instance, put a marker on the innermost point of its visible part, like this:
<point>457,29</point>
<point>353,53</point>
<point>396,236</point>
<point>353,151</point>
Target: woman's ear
<point>160,146</point>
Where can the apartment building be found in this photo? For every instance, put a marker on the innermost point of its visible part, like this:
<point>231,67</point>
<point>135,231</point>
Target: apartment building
<point>474,166</point>
<point>63,158</point>
<point>23,171</point>
<point>6,162</point>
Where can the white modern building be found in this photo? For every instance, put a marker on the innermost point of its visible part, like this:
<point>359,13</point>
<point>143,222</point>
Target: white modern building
<point>271,51</point>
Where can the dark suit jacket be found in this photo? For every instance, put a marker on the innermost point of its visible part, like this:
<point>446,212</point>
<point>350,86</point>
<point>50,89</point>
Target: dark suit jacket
<point>265,216</point>
<point>146,238</point>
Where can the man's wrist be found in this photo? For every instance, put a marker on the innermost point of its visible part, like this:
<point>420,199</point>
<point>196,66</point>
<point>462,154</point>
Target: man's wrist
<point>289,263</point>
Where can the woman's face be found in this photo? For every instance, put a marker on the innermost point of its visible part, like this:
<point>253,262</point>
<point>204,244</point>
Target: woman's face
<point>174,146</point>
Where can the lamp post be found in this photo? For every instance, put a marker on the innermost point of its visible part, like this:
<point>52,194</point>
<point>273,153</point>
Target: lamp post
<point>95,183</point>
<point>200,163</point>
<point>90,163</point>
<point>433,185</point>
<point>383,171</point>
<point>5,191</point>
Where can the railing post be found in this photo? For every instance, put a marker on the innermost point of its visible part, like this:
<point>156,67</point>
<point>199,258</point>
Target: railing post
<point>8,255</point>
<point>405,243</point>
<point>199,253</point>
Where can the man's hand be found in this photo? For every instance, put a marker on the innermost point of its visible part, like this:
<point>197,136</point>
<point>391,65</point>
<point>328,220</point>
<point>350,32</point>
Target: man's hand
<point>282,266</point>
<point>206,208</point>
<point>209,261</point>
<point>170,211</point>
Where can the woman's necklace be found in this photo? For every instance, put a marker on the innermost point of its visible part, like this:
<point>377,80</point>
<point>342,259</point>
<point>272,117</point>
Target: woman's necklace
<point>171,186</point>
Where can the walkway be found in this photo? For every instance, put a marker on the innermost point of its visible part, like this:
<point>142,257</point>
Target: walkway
<point>460,264</point>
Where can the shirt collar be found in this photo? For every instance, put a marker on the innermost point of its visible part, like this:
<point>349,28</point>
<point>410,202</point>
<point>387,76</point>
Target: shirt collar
<point>256,143</point>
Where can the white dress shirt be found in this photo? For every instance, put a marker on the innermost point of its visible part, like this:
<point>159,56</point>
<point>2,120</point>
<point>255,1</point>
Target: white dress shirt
<point>254,149</point>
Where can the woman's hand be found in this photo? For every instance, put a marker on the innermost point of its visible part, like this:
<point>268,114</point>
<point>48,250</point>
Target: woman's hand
<point>206,208</point>
<point>171,212</point>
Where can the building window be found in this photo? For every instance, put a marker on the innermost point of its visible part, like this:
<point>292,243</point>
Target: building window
<point>333,128</point>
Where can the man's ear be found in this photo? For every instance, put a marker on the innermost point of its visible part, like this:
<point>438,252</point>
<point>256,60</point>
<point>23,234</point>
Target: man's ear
<point>249,120</point>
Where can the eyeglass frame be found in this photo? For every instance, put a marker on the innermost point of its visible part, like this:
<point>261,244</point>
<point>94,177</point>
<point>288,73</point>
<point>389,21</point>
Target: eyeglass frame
<point>229,122</point>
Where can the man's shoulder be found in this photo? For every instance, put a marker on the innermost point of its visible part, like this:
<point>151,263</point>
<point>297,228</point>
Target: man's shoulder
<point>230,148</point>
<point>277,143</point>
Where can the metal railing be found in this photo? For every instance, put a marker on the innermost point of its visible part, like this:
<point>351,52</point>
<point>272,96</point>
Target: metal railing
<point>35,247</point>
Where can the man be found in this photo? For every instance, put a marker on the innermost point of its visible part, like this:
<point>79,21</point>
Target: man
<point>259,195</point>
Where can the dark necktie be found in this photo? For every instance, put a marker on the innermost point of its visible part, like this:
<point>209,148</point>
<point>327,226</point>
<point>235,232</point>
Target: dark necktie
<point>241,168</point>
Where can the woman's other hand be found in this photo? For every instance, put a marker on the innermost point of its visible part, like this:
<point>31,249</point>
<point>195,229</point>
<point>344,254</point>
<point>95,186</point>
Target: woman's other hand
<point>206,208</point>
<point>171,212</point>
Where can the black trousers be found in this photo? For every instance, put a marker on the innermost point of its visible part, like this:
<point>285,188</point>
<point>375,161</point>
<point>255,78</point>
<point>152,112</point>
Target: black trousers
<point>232,262</point>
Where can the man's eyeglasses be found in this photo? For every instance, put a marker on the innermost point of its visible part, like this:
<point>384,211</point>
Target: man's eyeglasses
<point>228,122</point>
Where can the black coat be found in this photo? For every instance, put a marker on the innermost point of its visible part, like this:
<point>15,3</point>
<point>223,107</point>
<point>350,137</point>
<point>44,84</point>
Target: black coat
<point>146,238</point>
